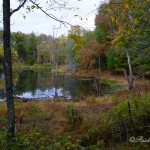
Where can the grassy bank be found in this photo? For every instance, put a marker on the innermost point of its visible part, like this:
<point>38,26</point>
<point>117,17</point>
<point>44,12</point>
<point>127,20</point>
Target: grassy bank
<point>33,67</point>
<point>106,75</point>
<point>93,123</point>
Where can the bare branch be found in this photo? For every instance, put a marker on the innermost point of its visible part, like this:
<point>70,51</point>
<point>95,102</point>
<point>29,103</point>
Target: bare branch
<point>58,5</point>
<point>21,5</point>
<point>50,15</point>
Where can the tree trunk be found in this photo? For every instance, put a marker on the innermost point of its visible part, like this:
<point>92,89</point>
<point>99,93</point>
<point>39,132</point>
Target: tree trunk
<point>56,85</point>
<point>130,81</point>
<point>62,57</point>
<point>75,63</point>
<point>8,69</point>
<point>126,76</point>
<point>99,62</point>
<point>56,66</point>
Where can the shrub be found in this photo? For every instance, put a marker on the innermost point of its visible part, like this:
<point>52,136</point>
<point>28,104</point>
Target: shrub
<point>74,115</point>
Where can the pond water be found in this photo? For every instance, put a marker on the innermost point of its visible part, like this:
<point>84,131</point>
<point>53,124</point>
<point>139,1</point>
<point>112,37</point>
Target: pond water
<point>37,84</point>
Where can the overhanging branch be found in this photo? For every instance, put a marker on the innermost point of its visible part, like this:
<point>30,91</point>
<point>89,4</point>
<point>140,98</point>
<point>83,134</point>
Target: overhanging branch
<point>50,15</point>
<point>21,5</point>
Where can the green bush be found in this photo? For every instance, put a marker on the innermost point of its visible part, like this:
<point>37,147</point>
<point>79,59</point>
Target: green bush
<point>130,117</point>
<point>74,115</point>
<point>110,60</point>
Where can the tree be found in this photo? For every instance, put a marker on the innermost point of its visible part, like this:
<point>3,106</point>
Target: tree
<point>75,33</point>
<point>101,32</point>
<point>44,49</point>
<point>55,47</point>
<point>18,41</point>
<point>13,53</point>
<point>8,69</point>
<point>110,60</point>
<point>62,49</point>
<point>116,61</point>
<point>90,54</point>
<point>122,40</point>
<point>70,64</point>
<point>31,49</point>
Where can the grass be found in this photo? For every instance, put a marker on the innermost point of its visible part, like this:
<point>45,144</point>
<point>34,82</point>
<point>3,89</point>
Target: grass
<point>2,84</point>
<point>3,108</point>
<point>36,67</point>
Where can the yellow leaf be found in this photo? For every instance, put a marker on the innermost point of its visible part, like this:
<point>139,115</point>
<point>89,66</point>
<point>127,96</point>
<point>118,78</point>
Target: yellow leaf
<point>116,21</point>
<point>126,6</point>
<point>112,19</point>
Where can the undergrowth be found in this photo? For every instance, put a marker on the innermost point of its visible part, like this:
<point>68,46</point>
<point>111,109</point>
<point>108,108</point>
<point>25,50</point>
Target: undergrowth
<point>126,126</point>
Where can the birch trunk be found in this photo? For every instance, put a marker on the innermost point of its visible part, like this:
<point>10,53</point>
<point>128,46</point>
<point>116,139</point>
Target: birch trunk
<point>130,80</point>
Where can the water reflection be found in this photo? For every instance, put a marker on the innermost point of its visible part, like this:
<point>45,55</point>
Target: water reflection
<point>32,84</point>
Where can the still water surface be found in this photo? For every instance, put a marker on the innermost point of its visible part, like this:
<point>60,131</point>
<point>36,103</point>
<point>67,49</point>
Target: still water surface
<point>37,84</point>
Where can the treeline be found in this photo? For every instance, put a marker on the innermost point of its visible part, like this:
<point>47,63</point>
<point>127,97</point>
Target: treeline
<point>119,42</point>
<point>32,49</point>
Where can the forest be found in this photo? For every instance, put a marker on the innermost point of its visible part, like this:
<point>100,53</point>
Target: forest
<point>114,58</point>
<point>115,37</point>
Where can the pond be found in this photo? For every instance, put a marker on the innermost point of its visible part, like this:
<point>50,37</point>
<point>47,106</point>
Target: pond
<point>45,84</point>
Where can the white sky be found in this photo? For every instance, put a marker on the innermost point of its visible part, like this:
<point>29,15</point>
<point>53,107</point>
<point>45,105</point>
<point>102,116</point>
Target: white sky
<point>39,23</point>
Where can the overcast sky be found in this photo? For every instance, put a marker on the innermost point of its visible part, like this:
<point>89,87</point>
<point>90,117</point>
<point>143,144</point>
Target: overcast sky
<point>38,22</point>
